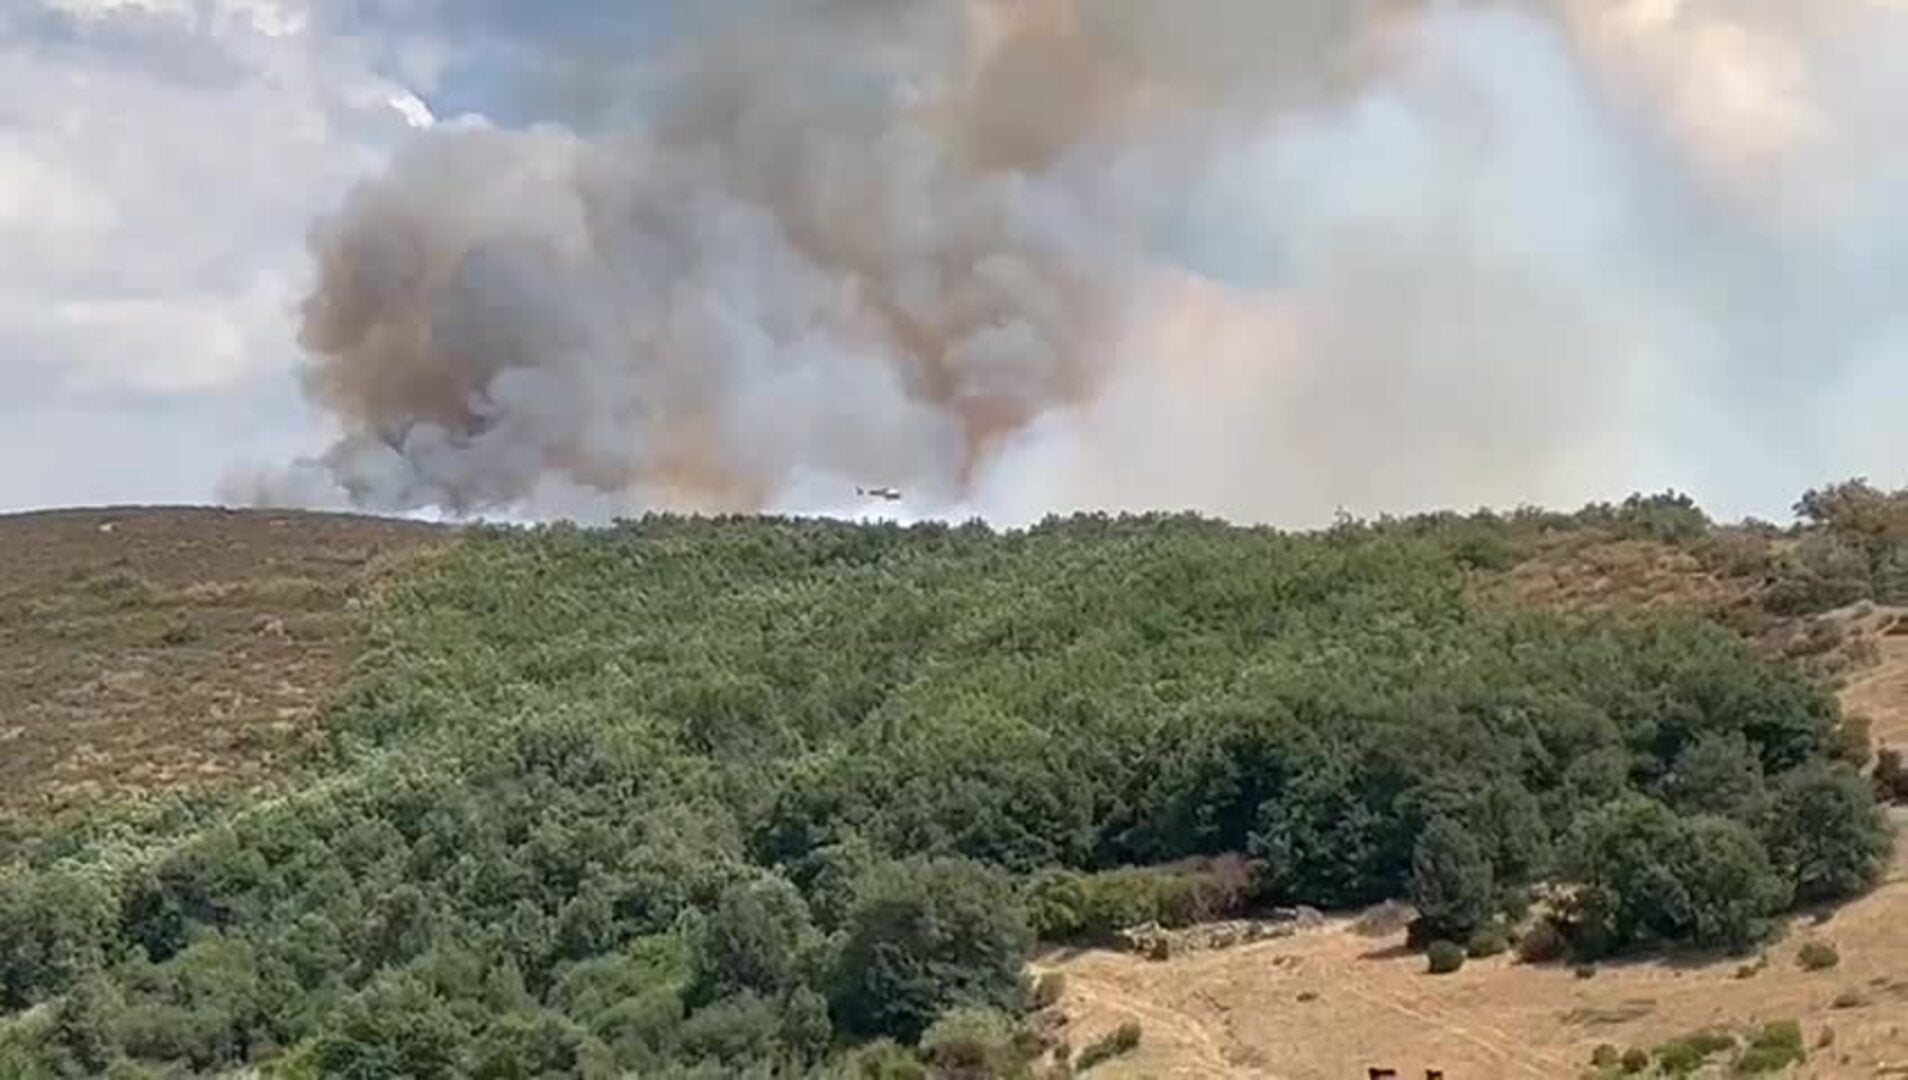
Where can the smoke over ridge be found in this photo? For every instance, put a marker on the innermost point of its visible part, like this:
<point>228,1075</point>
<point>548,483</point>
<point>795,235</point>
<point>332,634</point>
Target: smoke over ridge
<point>1257,259</point>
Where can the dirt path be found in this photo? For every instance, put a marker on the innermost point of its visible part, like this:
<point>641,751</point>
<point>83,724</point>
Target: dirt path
<point>1190,1044</point>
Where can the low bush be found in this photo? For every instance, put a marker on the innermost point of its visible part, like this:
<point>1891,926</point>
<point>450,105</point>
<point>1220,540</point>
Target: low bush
<point>1635,1059</point>
<point>1685,1055</point>
<point>1777,1046</point>
<point>1121,1040</point>
<point>1073,906</point>
<point>1606,1056</point>
<point>1849,999</point>
<point>1542,943</point>
<point>969,1041</point>
<point>1444,957</point>
<point>1487,941</point>
<point>1817,956</point>
<point>883,1059</point>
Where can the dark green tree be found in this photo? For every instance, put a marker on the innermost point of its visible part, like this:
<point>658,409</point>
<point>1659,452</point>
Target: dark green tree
<point>1451,880</point>
<point>1826,832</point>
<point>752,941</point>
<point>925,935</point>
<point>1644,875</point>
<point>396,1028</point>
<point>83,1024</point>
<point>1718,774</point>
<point>1733,891</point>
<point>527,1045</point>
<point>54,928</point>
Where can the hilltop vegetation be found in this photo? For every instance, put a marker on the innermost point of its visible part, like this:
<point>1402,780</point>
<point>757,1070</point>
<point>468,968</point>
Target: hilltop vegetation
<point>744,797</point>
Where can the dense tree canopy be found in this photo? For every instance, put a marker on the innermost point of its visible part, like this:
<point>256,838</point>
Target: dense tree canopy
<point>725,797</point>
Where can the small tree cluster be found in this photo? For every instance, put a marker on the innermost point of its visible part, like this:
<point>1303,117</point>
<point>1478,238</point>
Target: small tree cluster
<point>1646,875</point>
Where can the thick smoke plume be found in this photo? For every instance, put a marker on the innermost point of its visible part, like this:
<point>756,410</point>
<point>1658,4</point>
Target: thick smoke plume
<point>1259,259</point>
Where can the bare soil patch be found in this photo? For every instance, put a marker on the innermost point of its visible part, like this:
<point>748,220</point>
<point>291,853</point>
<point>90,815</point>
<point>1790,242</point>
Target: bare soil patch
<point>147,649</point>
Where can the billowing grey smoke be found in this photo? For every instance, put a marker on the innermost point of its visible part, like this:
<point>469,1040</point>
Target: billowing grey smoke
<point>1259,259</point>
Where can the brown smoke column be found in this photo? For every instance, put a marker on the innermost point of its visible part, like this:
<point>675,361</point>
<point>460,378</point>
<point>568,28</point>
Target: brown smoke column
<point>918,243</point>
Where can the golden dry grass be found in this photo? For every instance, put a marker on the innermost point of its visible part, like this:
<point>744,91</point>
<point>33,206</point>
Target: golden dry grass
<point>1585,572</point>
<point>145,649</point>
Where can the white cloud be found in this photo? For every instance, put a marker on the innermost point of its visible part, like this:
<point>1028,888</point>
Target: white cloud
<point>160,162</point>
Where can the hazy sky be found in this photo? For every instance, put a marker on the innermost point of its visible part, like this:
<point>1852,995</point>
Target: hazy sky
<point>1725,267</point>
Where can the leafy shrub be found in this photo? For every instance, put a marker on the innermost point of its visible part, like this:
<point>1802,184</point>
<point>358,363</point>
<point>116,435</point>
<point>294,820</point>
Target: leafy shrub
<point>738,1029</point>
<point>1444,957</point>
<point>1817,955</point>
<point>1451,880</point>
<point>1636,1059</point>
<point>1823,572</point>
<point>1542,943</point>
<point>924,936</point>
<point>1487,941</point>
<point>1777,1046</point>
<point>882,1059</point>
<point>1670,516</point>
<point>753,941</point>
<point>394,1028</point>
<point>528,1043</point>
<point>1069,906</point>
<point>54,928</point>
<point>968,1041</point>
<point>1686,1054</point>
<point>1648,875</point>
<point>1606,1056</point>
<point>1849,999</point>
<point>1826,833</point>
<point>1718,774</point>
<point>1121,1040</point>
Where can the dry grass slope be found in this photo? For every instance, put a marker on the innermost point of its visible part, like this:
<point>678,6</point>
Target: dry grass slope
<point>158,648</point>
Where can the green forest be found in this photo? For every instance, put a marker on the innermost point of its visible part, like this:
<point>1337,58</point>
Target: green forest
<point>748,797</point>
